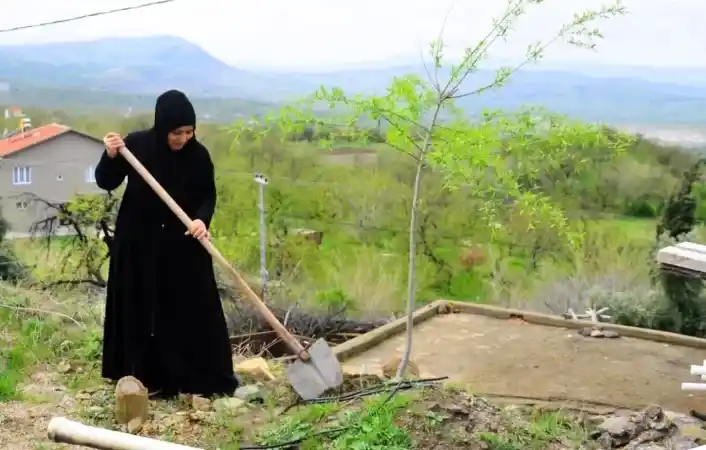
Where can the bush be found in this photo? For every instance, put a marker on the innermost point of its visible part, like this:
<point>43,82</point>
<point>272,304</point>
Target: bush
<point>11,269</point>
<point>642,208</point>
<point>686,310</point>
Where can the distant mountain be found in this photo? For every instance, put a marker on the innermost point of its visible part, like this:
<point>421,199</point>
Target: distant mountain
<point>115,72</point>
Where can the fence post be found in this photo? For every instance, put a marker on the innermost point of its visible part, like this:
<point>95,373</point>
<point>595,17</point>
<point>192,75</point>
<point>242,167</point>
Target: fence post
<point>262,181</point>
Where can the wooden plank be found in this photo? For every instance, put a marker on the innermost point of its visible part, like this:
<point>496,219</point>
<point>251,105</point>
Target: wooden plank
<point>683,258</point>
<point>692,247</point>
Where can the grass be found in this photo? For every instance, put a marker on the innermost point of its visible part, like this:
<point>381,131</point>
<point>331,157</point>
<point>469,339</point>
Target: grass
<point>369,274</point>
<point>40,328</point>
<point>50,260</point>
<point>59,333</point>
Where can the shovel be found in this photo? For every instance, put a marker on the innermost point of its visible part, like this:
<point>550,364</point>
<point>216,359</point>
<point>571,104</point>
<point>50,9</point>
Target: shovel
<point>315,370</point>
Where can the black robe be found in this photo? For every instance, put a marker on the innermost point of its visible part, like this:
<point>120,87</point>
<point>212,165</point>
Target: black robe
<point>164,321</point>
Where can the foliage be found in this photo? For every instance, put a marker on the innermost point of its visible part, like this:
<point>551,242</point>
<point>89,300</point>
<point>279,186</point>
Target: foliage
<point>11,268</point>
<point>682,290</point>
<point>91,217</point>
<point>494,159</point>
<point>44,330</point>
<point>504,199</point>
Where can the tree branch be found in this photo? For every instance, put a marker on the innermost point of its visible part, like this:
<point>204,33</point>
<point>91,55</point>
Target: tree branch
<point>42,311</point>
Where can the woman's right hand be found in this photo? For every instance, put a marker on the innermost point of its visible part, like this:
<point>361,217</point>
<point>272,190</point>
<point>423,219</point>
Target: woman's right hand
<point>113,143</point>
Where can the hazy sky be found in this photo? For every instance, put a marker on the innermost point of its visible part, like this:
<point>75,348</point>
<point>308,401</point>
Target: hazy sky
<point>326,33</point>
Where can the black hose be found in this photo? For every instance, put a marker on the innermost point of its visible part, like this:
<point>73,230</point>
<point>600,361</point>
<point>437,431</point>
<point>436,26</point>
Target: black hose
<point>377,389</point>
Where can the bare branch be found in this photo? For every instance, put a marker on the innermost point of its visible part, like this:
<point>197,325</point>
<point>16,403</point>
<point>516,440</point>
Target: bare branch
<point>499,29</point>
<point>42,311</point>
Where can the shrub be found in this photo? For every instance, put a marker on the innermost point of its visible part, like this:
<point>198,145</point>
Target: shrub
<point>11,269</point>
<point>686,307</point>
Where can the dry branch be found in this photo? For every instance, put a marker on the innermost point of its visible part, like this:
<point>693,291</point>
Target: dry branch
<point>252,332</point>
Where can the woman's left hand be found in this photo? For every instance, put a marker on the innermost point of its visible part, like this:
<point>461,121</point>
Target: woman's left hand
<point>198,230</point>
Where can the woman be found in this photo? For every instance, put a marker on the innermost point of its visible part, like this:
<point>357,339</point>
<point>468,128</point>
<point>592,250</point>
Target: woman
<point>164,321</point>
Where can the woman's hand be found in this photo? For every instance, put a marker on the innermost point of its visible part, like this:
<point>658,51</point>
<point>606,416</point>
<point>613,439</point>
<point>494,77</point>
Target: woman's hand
<point>198,230</point>
<point>113,143</point>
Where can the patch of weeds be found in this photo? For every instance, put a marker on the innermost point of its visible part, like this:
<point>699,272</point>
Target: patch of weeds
<point>495,441</point>
<point>537,432</point>
<point>374,428</point>
<point>551,426</point>
<point>433,419</point>
<point>297,426</point>
<point>12,365</point>
<point>85,346</point>
<point>27,339</point>
<point>97,414</point>
<point>225,434</point>
<point>370,426</point>
<point>36,340</point>
<point>81,350</point>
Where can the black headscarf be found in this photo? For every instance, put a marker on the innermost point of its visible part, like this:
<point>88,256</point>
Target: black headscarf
<point>174,110</point>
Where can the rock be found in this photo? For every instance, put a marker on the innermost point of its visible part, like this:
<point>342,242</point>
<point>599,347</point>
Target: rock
<point>250,393</point>
<point>596,334</point>
<point>95,410</point>
<point>618,426</point>
<point>63,367</point>
<point>650,429</point>
<point>256,368</point>
<point>228,404</point>
<point>680,443</point>
<point>200,404</point>
<point>697,433</point>
<point>682,420</point>
<point>135,425</point>
<point>586,331</point>
<point>198,416</point>
<point>131,401</point>
<point>448,308</point>
<point>83,396</point>
<point>362,371</point>
<point>653,418</point>
<point>610,334</point>
<point>389,369</point>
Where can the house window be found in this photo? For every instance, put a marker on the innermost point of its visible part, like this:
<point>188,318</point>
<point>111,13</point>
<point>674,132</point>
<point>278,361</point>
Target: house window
<point>90,174</point>
<point>22,175</point>
<point>21,205</point>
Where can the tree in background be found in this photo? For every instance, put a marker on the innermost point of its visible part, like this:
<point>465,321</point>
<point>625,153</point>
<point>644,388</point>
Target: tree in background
<point>685,312</point>
<point>497,158</point>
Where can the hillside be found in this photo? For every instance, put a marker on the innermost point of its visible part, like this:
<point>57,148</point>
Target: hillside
<point>52,75</point>
<point>90,101</point>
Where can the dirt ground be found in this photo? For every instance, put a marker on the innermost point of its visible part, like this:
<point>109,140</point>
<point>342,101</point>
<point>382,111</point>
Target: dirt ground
<point>511,358</point>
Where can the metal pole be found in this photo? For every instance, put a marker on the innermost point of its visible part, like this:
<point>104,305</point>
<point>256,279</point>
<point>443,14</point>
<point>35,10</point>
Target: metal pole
<point>262,181</point>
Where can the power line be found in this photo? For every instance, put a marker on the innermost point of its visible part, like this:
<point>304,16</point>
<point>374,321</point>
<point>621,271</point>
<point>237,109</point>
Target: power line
<point>86,16</point>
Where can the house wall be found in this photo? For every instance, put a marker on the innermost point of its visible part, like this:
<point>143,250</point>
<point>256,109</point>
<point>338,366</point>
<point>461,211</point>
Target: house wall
<point>59,169</point>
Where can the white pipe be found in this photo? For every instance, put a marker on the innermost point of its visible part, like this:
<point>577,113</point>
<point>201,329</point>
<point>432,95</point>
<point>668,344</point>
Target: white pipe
<point>698,370</point>
<point>65,431</point>
<point>693,386</point>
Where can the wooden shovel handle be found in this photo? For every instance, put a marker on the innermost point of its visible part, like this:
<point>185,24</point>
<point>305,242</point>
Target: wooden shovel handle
<point>290,340</point>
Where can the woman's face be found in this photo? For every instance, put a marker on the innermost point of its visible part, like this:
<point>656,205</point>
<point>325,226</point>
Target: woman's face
<point>179,137</point>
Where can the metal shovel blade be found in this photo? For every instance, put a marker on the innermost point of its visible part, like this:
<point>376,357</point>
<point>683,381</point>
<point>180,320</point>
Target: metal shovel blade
<point>322,372</point>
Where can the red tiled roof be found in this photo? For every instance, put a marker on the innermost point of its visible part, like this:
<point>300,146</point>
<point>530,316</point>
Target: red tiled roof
<point>30,138</point>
